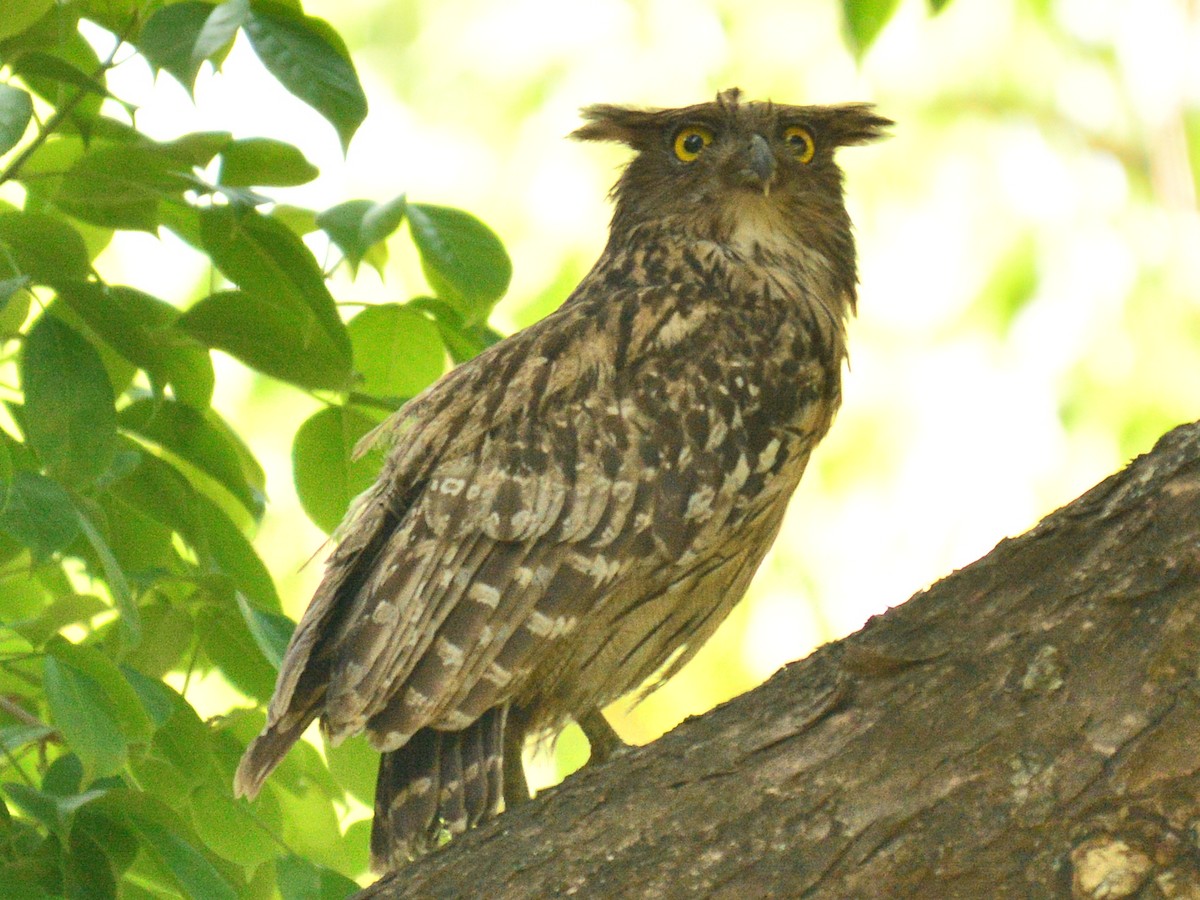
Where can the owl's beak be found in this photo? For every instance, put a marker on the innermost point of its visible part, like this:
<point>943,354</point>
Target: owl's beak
<point>759,170</point>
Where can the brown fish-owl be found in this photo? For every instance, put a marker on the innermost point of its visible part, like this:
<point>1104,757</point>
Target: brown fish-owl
<point>576,510</point>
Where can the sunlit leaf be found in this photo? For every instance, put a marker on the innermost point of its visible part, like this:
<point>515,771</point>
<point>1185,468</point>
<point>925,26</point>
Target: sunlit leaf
<point>121,186</point>
<point>42,247</point>
<point>272,265</point>
<point>193,436</point>
<point>398,352</point>
<point>356,226</point>
<point>70,420</point>
<point>16,17</point>
<point>16,109</point>
<point>863,20</point>
<point>142,329</point>
<point>274,334</point>
<point>38,65</point>
<point>14,305</point>
<point>167,39</point>
<point>310,60</point>
<point>271,630</point>
<point>229,828</point>
<point>300,879</point>
<point>466,264</point>
<point>326,477</point>
<point>354,763</point>
<point>219,29</point>
<point>263,161</point>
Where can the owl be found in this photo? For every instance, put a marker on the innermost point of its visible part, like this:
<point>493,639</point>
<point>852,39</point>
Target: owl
<point>570,515</point>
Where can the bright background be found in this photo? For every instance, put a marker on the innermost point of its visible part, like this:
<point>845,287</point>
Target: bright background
<point>1029,243</point>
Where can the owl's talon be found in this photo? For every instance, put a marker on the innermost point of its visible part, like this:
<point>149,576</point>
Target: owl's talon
<point>602,737</point>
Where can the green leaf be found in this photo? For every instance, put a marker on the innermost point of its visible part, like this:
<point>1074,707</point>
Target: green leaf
<point>64,611</point>
<point>172,846</point>
<point>121,186</point>
<point>44,806</point>
<point>142,329</point>
<point>167,633</point>
<point>310,60</point>
<point>87,872</point>
<point>231,647</point>
<point>272,265</point>
<point>14,305</point>
<point>168,37</point>
<point>326,478</point>
<point>192,436</point>
<point>44,248</point>
<point>131,623</point>
<point>354,765</point>
<point>16,17</point>
<point>197,148</point>
<point>262,161</point>
<point>219,29</point>
<point>274,335</point>
<point>85,716</point>
<point>936,6</point>
<point>14,737</point>
<point>300,879</point>
<point>462,340</point>
<point>126,705</point>
<point>70,421</point>
<point>398,352</point>
<point>16,109</point>
<point>229,828</point>
<point>464,261</point>
<point>358,225</point>
<point>39,513</point>
<point>271,630</point>
<point>159,490</point>
<point>863,20</point>
<point>46,66</point>
<point>67,72</point>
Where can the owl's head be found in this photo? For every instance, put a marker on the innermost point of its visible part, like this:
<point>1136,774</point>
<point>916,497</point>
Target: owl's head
<point>734,171</point>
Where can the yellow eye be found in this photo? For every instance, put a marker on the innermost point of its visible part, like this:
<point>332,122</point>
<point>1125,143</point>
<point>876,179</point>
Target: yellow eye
<point>690,141</point>
<point>800,142</point>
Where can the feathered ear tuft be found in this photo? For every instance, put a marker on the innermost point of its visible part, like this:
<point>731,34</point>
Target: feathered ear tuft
<point>854,123</point>
<point>624,124</point>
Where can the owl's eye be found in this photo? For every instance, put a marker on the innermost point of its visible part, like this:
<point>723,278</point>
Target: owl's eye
<point>800,142</point>
<point>690,141</point>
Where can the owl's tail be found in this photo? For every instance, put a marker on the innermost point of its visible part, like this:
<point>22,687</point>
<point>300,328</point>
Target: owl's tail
<point>439,780</point>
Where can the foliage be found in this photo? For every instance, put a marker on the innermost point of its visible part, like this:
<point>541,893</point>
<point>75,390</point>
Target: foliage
<point>127,503</point>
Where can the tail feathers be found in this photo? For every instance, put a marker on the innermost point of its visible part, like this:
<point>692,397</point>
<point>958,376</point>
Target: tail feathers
<point>440,781</point>
<point>266,751</point>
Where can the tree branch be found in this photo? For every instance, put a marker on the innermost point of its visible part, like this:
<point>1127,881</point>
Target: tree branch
<point>1027,727</point>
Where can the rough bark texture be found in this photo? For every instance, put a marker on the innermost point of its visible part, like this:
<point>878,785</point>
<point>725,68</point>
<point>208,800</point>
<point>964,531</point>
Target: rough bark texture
<point>1027,727</point>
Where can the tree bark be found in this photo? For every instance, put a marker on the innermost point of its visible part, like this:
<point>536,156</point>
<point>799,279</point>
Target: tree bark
<point>1028,727</point>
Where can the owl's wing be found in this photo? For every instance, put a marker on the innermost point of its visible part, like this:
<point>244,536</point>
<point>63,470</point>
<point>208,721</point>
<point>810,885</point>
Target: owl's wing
<point>524,488</point>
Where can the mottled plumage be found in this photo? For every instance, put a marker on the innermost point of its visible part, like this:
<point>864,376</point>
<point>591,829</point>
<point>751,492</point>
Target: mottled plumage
<point>577,509</point>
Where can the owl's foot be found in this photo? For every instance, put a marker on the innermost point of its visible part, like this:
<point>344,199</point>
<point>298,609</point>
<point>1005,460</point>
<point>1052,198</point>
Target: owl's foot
<point>602,737</point>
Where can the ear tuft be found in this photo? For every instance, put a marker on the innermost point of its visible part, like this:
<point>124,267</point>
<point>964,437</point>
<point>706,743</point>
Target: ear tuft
<point>624,124</point>
<point>856,123</point>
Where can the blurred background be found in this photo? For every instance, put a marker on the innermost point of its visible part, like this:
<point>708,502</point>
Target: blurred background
<point>1029,244</point>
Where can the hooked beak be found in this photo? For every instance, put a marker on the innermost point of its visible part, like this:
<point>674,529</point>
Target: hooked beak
<point>760,164</point>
